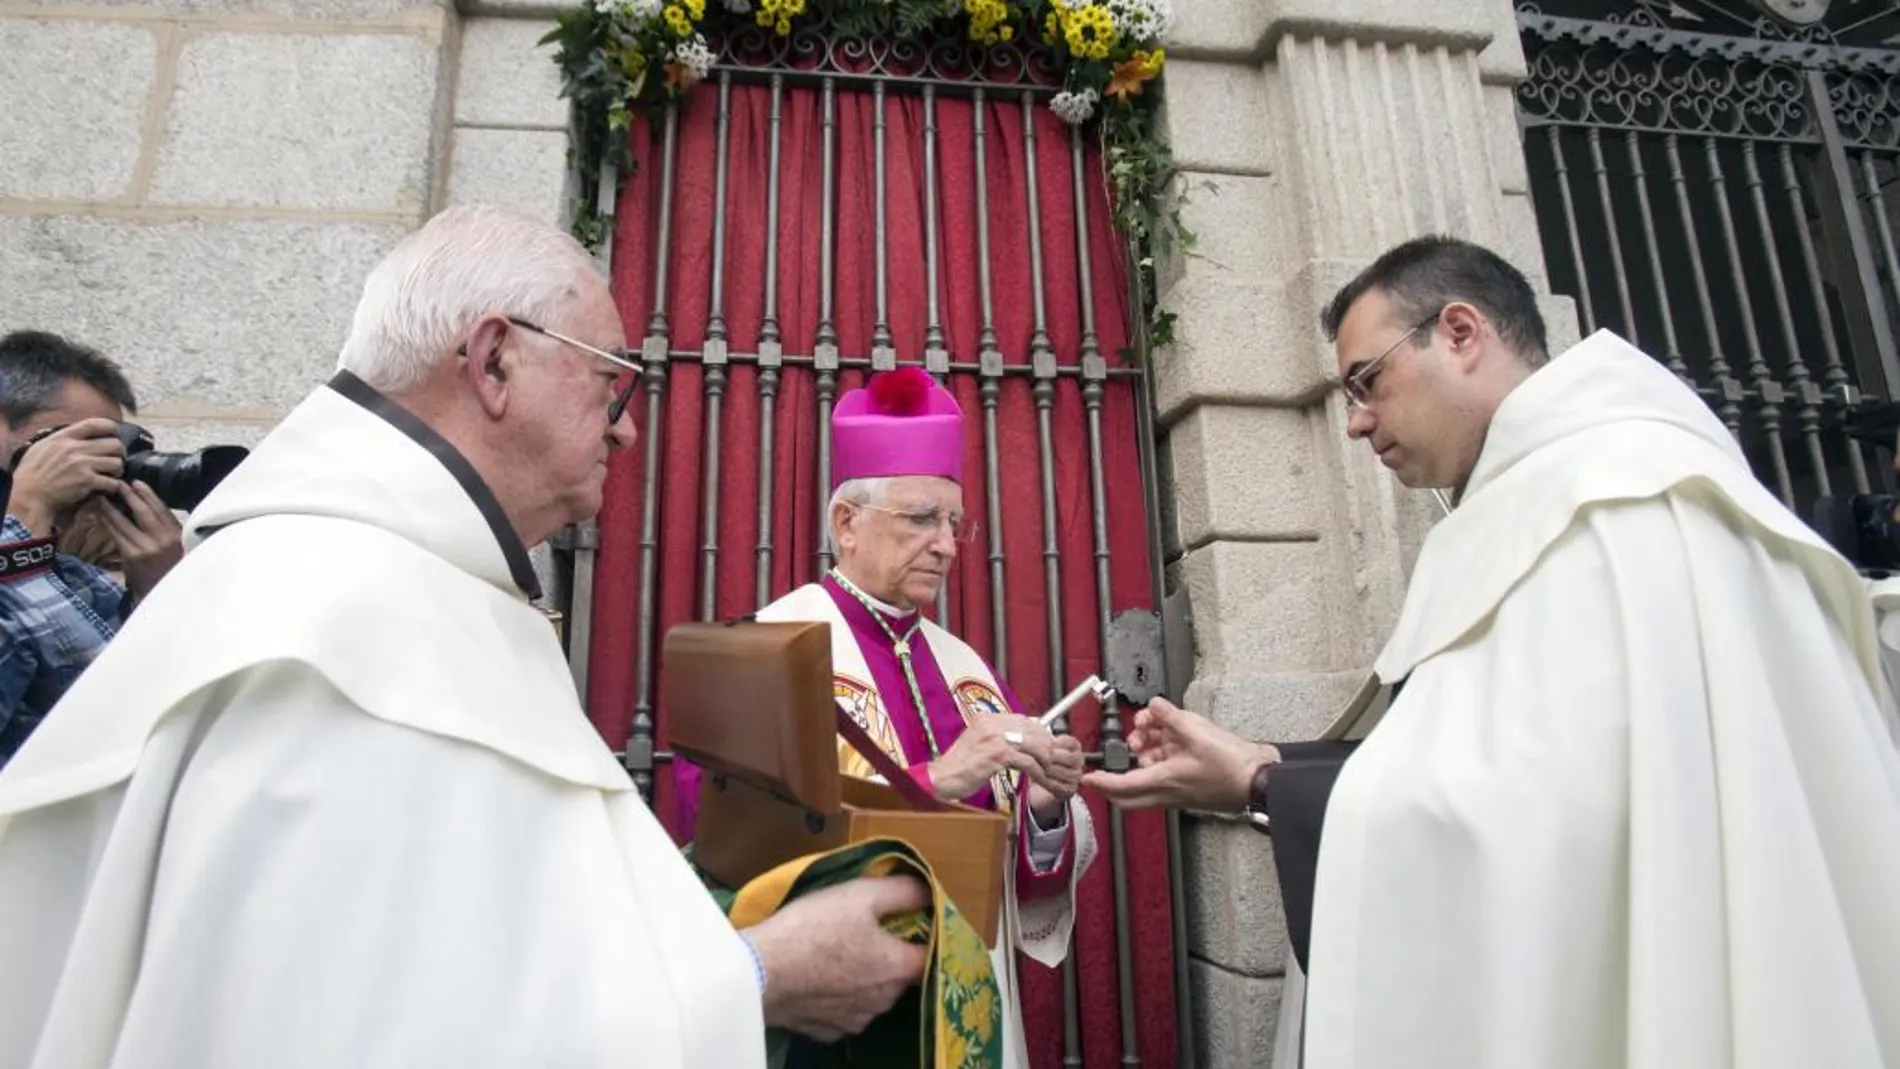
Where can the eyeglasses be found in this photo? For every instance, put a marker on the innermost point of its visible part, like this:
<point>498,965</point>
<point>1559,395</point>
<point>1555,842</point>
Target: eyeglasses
<point>1358,385</point>
<point>962,528</point>
<point>621,357</point>
<point>618,356</point>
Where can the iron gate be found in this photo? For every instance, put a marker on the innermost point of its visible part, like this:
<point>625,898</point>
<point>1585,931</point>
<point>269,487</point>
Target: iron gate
<point>824,208</point>
<point>1715,181</point>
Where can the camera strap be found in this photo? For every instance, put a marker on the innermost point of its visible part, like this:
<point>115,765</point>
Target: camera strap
<point>19,560</point>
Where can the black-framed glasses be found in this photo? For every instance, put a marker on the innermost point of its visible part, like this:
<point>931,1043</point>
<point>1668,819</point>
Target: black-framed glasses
<point>1358,385</point>
<point>925,522</point>
<point>621,357</point>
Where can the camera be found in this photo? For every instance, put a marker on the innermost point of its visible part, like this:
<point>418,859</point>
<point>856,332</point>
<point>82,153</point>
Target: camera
<point>181,480</point>
<point>1862,529</point>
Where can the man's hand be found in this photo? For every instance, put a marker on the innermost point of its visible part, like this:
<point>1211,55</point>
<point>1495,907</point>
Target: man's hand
<point>63,469</point>
<point>830,966</point>
<point>1050,790</point>
<point>984,749</point>
<point>1186,761</point>
<point>149,543</point>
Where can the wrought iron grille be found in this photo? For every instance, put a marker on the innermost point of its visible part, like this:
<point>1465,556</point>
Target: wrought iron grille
<point>720,365</point>
<point>1716,181</point>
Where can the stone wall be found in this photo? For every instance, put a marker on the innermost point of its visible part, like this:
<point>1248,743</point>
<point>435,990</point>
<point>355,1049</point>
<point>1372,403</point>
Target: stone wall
<point>197,187</point>
<point>1332,129</point>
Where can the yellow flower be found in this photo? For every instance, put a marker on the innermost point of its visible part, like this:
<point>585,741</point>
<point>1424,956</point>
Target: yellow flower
<point>1090,31</point>
<point>784,27</point>
<point>676,19</point>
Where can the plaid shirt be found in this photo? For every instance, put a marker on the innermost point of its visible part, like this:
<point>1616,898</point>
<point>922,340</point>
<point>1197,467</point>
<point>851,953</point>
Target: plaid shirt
<point>51,627</point>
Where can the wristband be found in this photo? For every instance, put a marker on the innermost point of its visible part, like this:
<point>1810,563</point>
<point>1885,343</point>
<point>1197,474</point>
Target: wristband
<point>18,560</point>
<point>1256,809</point>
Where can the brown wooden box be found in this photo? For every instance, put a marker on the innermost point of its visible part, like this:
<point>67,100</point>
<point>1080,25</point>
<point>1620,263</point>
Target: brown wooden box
<point>752,704</point>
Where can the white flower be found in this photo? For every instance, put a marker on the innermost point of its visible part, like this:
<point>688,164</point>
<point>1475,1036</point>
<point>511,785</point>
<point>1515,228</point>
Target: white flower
<point>694,56</point>
<point>636,10</point>
<point>1140,21</point>
<point>739,7</point>
<point>1074,108</point>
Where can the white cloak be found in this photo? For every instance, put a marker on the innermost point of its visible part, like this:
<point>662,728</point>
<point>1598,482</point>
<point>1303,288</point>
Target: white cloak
<point>1039,927</point>
<point>330,801</point>
<point>1636,804</point>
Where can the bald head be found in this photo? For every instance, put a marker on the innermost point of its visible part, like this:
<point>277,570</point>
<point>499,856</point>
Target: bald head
<point>466,262</point>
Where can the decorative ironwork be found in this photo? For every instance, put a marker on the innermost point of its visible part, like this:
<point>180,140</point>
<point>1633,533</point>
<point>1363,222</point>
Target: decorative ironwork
<point>1748,23</point>
<point>816,49</point>
<point>1742,154</point>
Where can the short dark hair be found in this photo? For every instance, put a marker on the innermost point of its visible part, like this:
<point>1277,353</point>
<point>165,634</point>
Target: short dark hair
<point>1425,274</point>
<point>35,365</point>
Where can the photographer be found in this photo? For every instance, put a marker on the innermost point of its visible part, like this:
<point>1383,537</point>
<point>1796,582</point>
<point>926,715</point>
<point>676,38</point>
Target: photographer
<point>70,520</point>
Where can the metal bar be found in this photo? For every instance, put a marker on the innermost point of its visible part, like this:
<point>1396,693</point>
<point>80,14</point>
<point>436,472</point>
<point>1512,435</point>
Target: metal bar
<point>771,352</point>
<point>585,540</point>
<point>1602,175</point>
<point>1673,354</point>
<point>825,346</point>
<point>1570,224</point>
<point>1767,390</point>
<point>1808,412</point>
<point>1882,228</point>
<point>865,80</point>
<point>1838,389</point>
<point>1728,390</point>
<point>1856,278</point>
<point>936,357</point>
<point>713,358</point>
<point>990,367</point>
<point>639,751</point>
<point>883,355</point>
<point>1094,385</point>
<point>863,363</point>
<point>1146,447</point>
<point>1043,358</point>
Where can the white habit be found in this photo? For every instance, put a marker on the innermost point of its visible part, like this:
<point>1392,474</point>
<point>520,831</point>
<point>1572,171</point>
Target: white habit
<point>1636,804</point>
<point>330,801</point>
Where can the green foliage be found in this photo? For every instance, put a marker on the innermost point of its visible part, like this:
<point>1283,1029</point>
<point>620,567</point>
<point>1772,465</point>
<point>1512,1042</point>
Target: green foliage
<point>622,57</point>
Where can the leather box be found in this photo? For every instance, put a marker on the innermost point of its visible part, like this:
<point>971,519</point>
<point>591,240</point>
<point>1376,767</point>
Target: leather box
<point>752,704</point>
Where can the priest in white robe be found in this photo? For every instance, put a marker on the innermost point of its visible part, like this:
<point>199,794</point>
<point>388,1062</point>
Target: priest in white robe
<point>330,800</point>
<point>1620,792</point>
<point>926,697</point>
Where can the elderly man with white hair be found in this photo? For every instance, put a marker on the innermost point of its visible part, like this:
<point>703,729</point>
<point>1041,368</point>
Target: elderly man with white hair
<point>330,800</point>
<point>925,697</point>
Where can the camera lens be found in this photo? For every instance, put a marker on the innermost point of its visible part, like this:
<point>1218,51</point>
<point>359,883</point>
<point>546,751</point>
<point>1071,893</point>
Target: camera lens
<point>183,480</point>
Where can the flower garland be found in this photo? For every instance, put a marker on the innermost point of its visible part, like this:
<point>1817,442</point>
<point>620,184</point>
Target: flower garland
<point>621,56</point>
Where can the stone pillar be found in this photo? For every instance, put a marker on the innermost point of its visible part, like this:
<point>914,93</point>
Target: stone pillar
<point>1332,130</point>
<point>197,187</point>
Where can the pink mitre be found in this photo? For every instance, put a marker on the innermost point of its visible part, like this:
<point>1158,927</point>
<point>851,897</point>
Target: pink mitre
<point>903,423</point>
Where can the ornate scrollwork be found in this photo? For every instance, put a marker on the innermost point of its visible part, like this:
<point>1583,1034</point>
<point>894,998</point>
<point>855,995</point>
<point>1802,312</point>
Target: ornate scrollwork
<point>816,48</point>
<point>1867,106</point>
<point>1606,83</point>
<point>1663,28</point>
<point>1824,23</point>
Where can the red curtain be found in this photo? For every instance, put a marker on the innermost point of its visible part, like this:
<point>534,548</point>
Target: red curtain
<point>796,493</point>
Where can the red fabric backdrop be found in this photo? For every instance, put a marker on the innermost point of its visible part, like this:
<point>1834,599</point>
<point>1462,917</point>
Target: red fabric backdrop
<point>798,496</point>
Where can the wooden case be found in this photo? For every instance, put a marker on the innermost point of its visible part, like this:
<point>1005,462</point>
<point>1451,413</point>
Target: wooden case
<point>752,704</point>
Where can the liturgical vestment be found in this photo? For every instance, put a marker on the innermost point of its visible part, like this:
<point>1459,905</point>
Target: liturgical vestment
<point>1044,867</point>
<point>1636,803</point>
<point>330,800</point>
